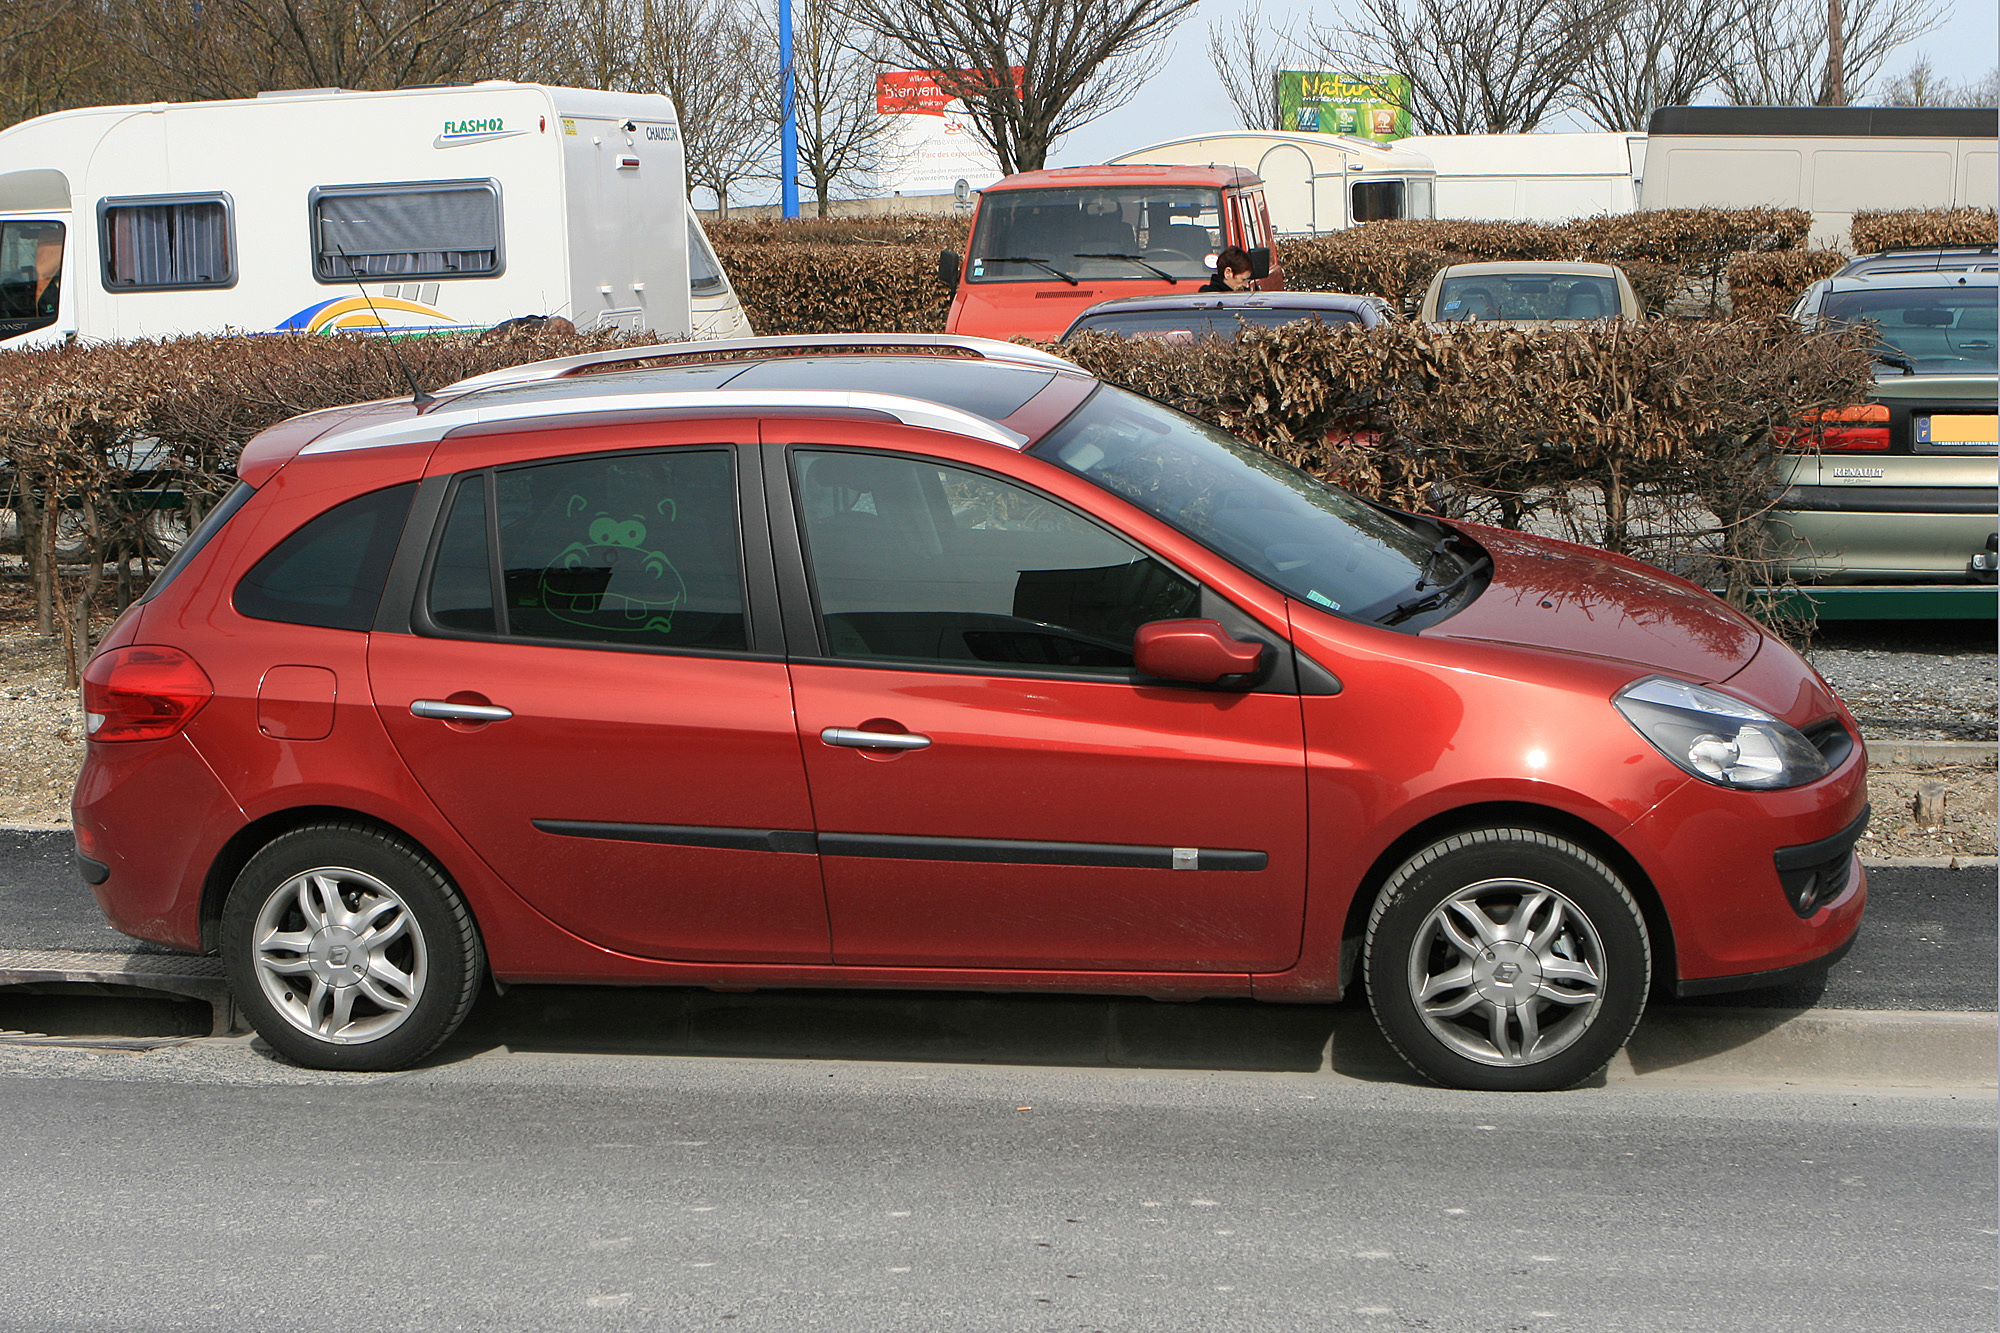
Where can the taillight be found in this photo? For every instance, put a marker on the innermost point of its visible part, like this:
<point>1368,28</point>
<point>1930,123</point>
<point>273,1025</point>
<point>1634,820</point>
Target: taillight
<point>142,693</point>
<point>1861,429</point>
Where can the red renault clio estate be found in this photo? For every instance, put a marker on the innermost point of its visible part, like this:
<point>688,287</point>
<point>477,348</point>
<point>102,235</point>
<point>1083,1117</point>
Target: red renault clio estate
<point>934,662</point>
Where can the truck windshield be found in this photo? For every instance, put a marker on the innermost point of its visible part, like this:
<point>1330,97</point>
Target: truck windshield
<point>31,258</point>
<point>1941,331</point>
<point>1097,233</point>
<point>1309,540</point>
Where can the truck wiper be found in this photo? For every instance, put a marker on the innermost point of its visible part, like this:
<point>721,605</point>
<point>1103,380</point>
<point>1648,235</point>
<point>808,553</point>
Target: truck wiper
<point>1030,259</point>
<point>1133,259</point>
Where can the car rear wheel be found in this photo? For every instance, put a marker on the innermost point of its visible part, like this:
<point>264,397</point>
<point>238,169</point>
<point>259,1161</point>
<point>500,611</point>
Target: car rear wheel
<point>1506,959</point>
<point>347,948</point>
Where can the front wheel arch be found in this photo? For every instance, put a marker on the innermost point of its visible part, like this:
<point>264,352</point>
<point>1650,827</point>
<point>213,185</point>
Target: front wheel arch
<point>1517,814</point>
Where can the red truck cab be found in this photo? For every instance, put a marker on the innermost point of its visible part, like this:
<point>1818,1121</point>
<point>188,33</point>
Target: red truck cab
<point>1048,244</point>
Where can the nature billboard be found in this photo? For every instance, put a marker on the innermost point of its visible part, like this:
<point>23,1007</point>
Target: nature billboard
<point>1369,106</point>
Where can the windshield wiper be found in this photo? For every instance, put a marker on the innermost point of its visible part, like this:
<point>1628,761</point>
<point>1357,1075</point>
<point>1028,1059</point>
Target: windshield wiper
<point>1902,363</point>
<point>1440,593</point>
<point>1131,259</point>
<point>1030,259</point>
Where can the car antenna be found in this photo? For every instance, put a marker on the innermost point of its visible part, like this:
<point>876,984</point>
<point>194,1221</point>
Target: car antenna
<point>418,398</point>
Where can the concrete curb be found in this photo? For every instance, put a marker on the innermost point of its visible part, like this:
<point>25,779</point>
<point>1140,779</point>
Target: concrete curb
<point>1932,862</point>
<point>1898,1048</point>
<point>1930,752</point>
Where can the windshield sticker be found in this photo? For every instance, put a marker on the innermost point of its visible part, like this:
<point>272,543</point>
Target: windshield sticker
<point>1314,595</point>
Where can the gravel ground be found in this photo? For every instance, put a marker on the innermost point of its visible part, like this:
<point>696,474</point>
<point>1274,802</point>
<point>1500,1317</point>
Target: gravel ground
<point>1903,682</point>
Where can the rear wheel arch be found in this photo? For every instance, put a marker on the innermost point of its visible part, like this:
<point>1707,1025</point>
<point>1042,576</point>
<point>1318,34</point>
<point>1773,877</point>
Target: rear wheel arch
<point>1514,814</point>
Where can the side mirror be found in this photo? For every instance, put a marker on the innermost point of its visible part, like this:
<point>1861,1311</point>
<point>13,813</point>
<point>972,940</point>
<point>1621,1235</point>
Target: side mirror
<point>1260,262</point>
<point>948,269</point>
<point>1197,651</point>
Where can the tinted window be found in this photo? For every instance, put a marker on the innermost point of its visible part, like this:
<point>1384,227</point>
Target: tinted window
<point>918,562</point>
<point>631,550</point>
<point>1376,200</point>
<point>440,230</point>
<point>150,244</point>
<point>1941,330</point>
<point>461,586</point>
<point>330,572</point>
<point>201,536</point>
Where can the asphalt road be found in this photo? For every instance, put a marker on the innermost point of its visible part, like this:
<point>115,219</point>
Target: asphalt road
<point>211,1187</point>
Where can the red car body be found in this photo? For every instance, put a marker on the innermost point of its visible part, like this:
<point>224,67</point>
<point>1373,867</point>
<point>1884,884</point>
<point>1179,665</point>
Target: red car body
<point>1500,710</point>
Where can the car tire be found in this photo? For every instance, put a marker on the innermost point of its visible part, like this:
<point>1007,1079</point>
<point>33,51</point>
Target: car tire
<point>1506,959</point>
<point>347,948</point>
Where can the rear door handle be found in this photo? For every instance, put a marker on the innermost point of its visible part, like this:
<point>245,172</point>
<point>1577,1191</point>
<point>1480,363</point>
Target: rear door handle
<point>874,740</point>
<point>437,708</point>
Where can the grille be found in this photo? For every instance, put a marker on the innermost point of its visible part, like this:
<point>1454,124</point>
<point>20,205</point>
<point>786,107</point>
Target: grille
<point>1815,873</point>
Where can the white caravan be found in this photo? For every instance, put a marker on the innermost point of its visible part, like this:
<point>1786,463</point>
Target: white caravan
<point>1834,161</point>
<point>1533,177</point>
<point>1312,182</point>
<point>410,211</point>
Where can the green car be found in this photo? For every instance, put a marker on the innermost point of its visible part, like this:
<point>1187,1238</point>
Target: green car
<point>1902,487</point>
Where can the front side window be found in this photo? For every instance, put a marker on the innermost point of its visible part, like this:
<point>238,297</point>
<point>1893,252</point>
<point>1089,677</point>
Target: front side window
<point>1100,234</point>
<point>920,562</point>
<point>31,261</point>
<point>166,242</point>
<point>1307,539</point>
<point>622,551</point>
<point>442,229</point>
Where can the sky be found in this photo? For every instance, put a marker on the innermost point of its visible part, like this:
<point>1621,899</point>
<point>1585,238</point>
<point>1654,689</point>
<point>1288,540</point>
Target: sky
<point>1184,98</point>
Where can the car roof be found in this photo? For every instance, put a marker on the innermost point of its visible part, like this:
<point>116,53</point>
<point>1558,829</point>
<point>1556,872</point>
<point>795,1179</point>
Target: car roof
<point>1924,258</point>
<point>966,386</point>
<point>1912,280</point>
<point>1252,300</point>
<point>1496,267</point>
<point>1084,177</point>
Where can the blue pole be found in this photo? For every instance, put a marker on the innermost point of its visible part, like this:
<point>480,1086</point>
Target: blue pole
<point>788,134</point>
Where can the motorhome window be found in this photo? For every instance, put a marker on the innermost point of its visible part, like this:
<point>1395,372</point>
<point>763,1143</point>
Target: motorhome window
<point>1375,201</point>
<point>438,229</point>
<point>162,243</point>
<point>31,256</point>
<point>1095,234</point>
<point>1422,198</point>
<point>704,271</point>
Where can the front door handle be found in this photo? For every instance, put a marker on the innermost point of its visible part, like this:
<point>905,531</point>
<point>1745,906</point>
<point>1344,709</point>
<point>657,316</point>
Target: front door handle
<point>874,740</point>
<point>449,712</point>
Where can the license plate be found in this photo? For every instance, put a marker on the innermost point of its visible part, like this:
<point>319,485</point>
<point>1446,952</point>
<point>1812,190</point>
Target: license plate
<point>1956,430</point>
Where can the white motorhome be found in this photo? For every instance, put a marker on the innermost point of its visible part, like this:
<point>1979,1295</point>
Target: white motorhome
<point>1533,177</point>
<point>1312,182</point>
<point>409,211</point>
<point>1834,161</point>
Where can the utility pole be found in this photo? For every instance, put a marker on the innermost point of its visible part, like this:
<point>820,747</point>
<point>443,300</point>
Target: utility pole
<point>788,132</point>
<point>1835,93</point>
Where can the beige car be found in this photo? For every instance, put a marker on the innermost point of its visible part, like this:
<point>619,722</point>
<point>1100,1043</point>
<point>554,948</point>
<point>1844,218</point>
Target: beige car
<point>1529,292</point>
<point>1902,487</point>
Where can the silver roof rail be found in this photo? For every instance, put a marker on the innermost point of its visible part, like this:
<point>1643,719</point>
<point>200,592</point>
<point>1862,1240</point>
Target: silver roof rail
<point>989,348</point>
<point>437,424</point>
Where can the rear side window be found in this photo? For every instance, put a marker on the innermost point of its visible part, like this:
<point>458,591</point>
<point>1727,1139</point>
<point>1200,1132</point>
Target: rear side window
<point>331,571</point>
<point>622,551</point>
<point>439,229</point>
<point>164,242</point>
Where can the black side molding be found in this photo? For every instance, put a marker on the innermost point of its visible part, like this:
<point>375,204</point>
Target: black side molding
<point>899,847</point>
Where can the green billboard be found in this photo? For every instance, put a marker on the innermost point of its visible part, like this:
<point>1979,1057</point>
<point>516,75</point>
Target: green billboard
<point>1368,106</point>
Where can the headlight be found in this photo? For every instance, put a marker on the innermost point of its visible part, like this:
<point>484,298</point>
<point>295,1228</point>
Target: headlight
<point>1717,738</point>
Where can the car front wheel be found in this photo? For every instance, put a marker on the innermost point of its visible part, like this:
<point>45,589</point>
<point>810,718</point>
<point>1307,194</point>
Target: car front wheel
<point>1506,959</point>
<point>347,948</point>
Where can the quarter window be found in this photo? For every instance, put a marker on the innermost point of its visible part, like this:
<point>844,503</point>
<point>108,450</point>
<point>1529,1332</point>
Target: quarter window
<point>331,571</point>
<point>913,561</point>
<point>627,551</point>
<point>448,229</point>
<point>166,242</point>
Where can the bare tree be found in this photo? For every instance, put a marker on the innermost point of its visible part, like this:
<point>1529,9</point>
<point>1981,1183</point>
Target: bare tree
<point>842,138</point>
<point>51,56</point>
<point>1659,53</point>
<point>1248,54</point>
<point>713,59</point>
<point>1077,59</point>
<point>1782,58</point>
<point>1920,85</point>
<point>1476,66</point>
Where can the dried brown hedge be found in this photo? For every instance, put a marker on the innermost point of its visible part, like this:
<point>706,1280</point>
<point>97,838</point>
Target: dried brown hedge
<point>788,287</point>
<point>1761,285</point>
<point>938,231</point>
<point>1874,231</point>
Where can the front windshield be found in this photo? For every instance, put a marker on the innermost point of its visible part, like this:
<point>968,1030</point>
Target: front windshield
<point>1939,330</point>
<point>1099,234</point>
<point>1309,540</point>
<point>1528,296</point>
